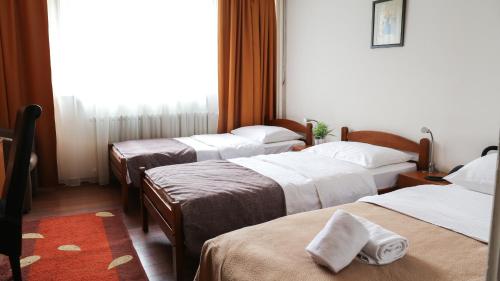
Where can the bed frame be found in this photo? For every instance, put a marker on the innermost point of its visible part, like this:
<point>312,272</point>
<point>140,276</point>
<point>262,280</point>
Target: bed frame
<point>118,163</point>
<point>168,213</point>
<point>392,141</point>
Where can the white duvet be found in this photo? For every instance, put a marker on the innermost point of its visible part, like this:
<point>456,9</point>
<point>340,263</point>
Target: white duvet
<point>231,146</point>
<point>452,207</point>
<point>311,181</point>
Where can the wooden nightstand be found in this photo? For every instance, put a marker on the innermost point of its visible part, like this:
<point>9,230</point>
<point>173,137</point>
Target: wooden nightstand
<point>418,178</point>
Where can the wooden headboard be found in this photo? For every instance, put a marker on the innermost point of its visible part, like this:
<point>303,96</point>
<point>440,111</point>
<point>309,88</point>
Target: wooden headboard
<point>305,130</point>
<point>392,141</point>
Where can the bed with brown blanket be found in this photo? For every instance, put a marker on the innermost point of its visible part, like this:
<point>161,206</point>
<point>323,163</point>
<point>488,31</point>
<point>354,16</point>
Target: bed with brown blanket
<point>127,157</point>
<point>276,250</point>
<point>197,201</point>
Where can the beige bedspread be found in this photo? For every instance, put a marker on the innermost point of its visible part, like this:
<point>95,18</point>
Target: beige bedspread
<point>275,251</point>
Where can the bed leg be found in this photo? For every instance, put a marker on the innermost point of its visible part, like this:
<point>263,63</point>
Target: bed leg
<point>125,197</point>
<point>144,212</point>
<point>125,185</point>
<point>178,243</point>
<point>145,219</point>
<point>178,253</point>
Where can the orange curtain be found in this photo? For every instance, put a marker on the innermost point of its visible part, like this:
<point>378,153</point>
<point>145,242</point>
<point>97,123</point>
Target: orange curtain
<point>247,62</point>
<point>25,75</point>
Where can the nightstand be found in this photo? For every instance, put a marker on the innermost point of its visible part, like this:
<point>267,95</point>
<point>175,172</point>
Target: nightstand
<point>418,178</point>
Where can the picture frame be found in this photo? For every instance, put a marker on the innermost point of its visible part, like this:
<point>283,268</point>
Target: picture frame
<point>388,23</point>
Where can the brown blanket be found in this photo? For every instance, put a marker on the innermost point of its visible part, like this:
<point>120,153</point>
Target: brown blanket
<point>218,196</point>
<point>275,251</point>
<point>153,153</point>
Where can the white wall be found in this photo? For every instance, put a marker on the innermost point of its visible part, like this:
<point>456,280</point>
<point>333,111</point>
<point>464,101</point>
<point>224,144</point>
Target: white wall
<point>446,77</point>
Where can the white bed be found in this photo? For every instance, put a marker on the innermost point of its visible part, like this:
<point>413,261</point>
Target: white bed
<point>227,146</point>
<point>277,136</point>
<point>465,206</point>
<point>446,227</point>
<point>453,207</point>
<point>311,181</point>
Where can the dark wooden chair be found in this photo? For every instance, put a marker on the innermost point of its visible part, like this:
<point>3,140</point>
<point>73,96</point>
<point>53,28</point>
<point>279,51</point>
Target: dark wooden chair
<point>7,135</point>
<point>17,170</point>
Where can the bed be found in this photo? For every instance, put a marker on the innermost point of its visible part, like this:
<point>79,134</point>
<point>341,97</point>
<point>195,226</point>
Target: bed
<point>126,157</point>
<point>447,228</point>
<point>248,191</point>
<point>438,250</point>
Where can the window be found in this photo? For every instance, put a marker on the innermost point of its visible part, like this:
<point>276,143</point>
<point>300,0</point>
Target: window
<point>125,69</point>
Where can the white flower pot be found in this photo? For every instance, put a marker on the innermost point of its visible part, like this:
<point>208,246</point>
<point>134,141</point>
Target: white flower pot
<point>319,141</point>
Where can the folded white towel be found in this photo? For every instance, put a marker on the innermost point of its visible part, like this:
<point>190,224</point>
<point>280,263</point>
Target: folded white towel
<point>339,242</point>
<point>383,247</point>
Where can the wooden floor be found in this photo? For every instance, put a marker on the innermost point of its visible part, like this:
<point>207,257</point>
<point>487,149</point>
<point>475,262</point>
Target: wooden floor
<point>153,248</point>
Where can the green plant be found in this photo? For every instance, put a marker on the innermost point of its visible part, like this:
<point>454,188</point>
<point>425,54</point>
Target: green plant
<point>321,130</point>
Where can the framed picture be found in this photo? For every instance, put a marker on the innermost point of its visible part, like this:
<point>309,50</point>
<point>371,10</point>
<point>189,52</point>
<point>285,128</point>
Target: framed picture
<point>388,23</point>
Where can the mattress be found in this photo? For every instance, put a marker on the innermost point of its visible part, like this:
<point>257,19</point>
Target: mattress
<point>386,176</point>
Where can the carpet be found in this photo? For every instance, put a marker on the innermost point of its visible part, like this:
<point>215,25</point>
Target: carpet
<point>92,246</point>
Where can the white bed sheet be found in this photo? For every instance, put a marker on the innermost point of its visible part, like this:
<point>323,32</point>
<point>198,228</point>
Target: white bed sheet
<point>310,181</point>
<point>452,207</point>
<point>231,146</point>
<point>386,176</point>
<point>205,151</point>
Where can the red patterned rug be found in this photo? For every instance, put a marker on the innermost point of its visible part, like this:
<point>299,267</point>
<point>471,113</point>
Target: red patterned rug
<point>82,247</point>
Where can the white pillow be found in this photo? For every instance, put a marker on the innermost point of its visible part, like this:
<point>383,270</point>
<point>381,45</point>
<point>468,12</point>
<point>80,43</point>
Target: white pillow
<point>478,175</point>
<point>266,134</point>
<point>366,155</point>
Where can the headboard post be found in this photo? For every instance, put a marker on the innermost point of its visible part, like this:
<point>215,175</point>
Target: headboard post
<point>423,154</point>
<point>309,134</point>
<point>344,131</point>
<point>305,130</point>
<point>392,141</point>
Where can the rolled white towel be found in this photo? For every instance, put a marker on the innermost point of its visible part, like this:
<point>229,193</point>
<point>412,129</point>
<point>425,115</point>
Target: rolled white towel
<point>383,247</point>
<point>339,242</point>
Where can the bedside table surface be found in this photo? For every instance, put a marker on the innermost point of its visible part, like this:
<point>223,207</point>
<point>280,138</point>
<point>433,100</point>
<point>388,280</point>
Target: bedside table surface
<point>418,178</point>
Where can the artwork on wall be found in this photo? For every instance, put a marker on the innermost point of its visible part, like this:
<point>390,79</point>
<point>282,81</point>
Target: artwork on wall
<point>388,22</point>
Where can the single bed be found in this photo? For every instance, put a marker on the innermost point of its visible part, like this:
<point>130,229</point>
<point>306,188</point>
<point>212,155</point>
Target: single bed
<point>126,157</point>
<point>447,228</point>
<point>198,201</point>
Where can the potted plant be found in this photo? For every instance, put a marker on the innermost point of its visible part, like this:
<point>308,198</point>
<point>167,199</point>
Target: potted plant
<point>320,131</point>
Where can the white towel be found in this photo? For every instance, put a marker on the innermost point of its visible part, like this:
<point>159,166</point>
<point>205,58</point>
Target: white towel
<point>383,247</point>
<point>339,242</point>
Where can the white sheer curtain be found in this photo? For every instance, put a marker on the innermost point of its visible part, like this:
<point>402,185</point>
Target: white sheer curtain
<point>129,69</point>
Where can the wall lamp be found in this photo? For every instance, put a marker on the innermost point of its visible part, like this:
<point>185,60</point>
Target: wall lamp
<point>309,120</point>
<point>426,130</point>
